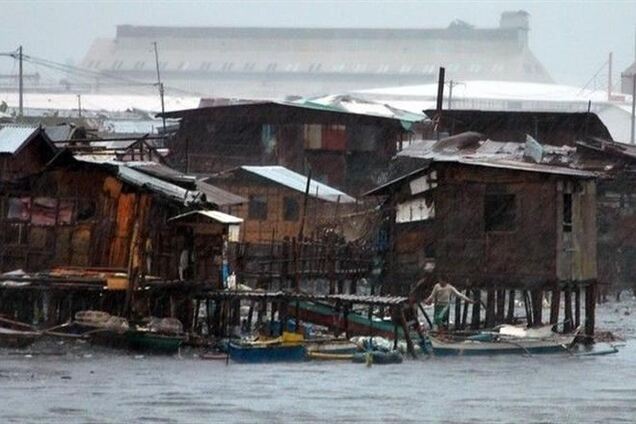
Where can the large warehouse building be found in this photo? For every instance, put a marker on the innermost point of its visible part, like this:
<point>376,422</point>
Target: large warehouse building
<point>279,62</point>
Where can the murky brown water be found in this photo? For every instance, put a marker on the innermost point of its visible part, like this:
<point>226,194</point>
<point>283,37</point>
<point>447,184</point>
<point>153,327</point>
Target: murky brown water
<point>87,385</point>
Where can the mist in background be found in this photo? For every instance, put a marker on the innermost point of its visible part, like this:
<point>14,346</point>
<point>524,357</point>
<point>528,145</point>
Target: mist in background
<point>571,38</point>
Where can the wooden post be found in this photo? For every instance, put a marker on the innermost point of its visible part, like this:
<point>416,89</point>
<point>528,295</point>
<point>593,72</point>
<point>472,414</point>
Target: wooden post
<point>510,316</point>
<point>250,314</point>
<point>577,307</point>
<point>407,336</point>
<point>465,311</point>
<point>567,298</point>
<point>501,305</point>
<point>537,307</point>
<point>346,320</point>
<point>490,309</point>
<point>476,313</point>
<point>528,306</point>
<point>458,314</point>
<point>590,309</point>
<point>555,305</point>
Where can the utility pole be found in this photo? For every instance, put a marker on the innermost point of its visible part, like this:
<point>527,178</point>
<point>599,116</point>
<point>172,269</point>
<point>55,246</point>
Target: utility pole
<point>160,85</point>
<point>20,84</point>
<point>633,106</point>
<point>440,99</point>
<point>609,78</point>
<point>79,105</point>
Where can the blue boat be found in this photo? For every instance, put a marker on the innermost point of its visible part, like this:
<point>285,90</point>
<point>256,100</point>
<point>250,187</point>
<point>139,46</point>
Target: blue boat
<point>260,353</point>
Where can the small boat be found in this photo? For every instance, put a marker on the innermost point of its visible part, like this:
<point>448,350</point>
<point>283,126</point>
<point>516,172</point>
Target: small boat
<point>509,340</point>
<point>333,347</point>
<point>378,357</point>
<point>213,356</point>
<point>328,316</point>
<point>136,340</point>
<point>17,338</point>
<point>322,356</point>
<point>147,341</point>
<point>259,353</point>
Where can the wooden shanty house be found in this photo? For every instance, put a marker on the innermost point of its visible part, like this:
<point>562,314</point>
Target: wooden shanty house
<point>512,229</point>
<point>86,213</point>
<point>24,150</point>
<point>277,206</point>
<point>616,205</point>
<point>347,144</point>
<point>548,128</point>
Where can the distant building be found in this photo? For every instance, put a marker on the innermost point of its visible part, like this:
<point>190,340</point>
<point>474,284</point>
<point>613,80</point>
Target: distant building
<point>627,79</point>
<point>507,96</point>
<point>276,62</point>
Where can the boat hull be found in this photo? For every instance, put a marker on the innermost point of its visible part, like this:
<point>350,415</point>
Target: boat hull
<point>328,316</point>
<point>267,353</point>
<point>139,341</point>
<point>471,347</point>
<point>17,339</point>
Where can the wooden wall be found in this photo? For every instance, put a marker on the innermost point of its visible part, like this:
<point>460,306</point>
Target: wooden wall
<point>101,221</point>
<point>532,252</point>
<point>275,226</point>
<point>27,161</point>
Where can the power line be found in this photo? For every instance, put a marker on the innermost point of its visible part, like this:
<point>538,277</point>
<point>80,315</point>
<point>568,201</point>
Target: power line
<point>93,75</point>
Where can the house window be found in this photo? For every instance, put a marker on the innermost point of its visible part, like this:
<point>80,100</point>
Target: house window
<point>291,209</point>
<point>257,208</point>
<point>567,212</point>
<point>500,212</point>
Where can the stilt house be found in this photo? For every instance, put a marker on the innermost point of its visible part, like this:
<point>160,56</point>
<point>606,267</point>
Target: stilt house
<point>504,227</point>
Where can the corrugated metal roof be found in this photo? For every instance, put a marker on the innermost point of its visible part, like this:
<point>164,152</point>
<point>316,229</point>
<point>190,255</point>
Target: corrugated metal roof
<point>218,196</point>
<point>217,216</point>
<point>522,166</point>
<point>513,165</point>
<point>298,182</point>
<point>58,133</point>
<point>161,171</point>
<point>149,182</point>
<point>146,181</point>
<point>13,137</point>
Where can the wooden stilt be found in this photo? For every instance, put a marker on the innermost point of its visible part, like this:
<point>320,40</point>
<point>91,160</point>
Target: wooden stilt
<point>510,315</point>
<point>490,309</point>
<point>465,311</point>
<point>555,305</point>
<point>458,314</point>
<point>407,336</point>
<point>501,304</point>
<point>537,307</point>
<point>250,315</point>
<point>528,306</point>
<point>476,312</point>
<point>568,320</point>
<point>577,307</point>
<point>590,309</point>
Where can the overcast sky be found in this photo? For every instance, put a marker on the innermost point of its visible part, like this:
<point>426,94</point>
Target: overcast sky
<point>571,38</point>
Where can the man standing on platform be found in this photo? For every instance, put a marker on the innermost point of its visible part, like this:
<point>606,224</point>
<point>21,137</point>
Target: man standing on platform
<point>441,297</point>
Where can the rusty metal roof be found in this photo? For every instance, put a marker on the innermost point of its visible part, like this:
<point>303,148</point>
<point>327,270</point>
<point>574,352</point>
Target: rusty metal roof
<point>219,196</point>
